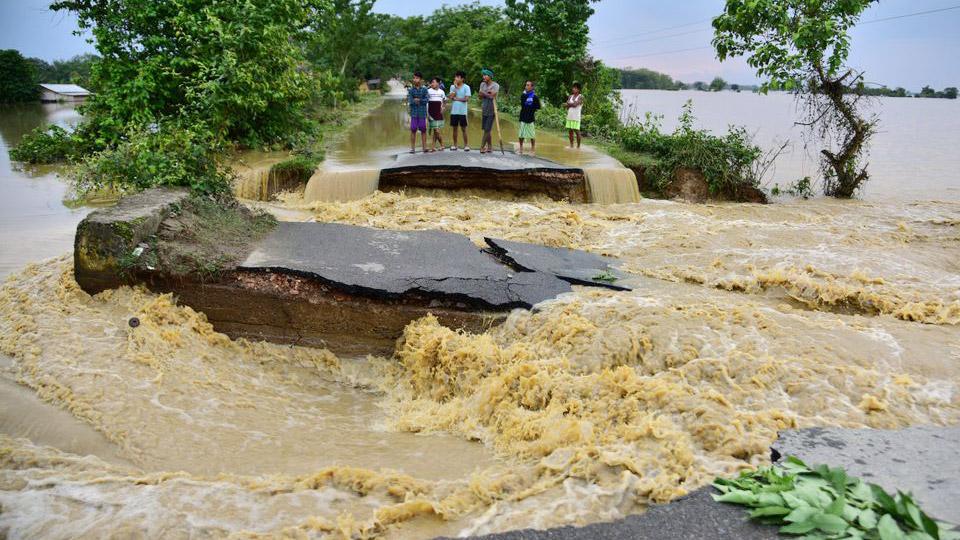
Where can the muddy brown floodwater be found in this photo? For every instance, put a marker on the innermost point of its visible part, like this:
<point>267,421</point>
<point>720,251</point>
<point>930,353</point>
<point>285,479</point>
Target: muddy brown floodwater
<point>744,320</point>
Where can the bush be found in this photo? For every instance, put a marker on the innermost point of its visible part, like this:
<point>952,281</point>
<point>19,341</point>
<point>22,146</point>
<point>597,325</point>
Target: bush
<point>168,154</point>
<point>727,162</point>
<point>45,144</point>
<point>298,166</point>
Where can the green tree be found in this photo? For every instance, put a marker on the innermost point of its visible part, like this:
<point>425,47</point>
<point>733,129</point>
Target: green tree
<point>647,79</point>
<point>717,84</point>
<point>473,37</point>
<point>950,92</point>
<point>232,64</point>
<point>699,85</point>
<point>17,78</point>
<point>555,38</point>
<point>735,87</point>
<point>75,70</point>
<point>388,51</point>
<point>342,36</point>
<point>802,46</point>
<point>928,92</point>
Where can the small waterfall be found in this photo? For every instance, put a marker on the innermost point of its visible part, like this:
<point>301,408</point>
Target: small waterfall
<point>341,185</point>
<point>253,183</point>
<point>263,181</point>
<point>612,185</point>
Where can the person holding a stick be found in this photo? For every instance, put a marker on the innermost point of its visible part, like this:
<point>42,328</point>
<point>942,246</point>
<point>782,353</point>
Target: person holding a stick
<point>488,94</point>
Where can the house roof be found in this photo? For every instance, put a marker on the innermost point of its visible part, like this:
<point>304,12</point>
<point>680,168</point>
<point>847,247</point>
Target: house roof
<point>67,89</point>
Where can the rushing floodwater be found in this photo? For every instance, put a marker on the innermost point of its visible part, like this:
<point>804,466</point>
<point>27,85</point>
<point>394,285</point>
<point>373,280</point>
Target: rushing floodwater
<point>744,320</point>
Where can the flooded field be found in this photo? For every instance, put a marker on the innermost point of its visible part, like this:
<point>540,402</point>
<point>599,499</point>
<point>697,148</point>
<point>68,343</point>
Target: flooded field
<point>744,320</point>
<point>910,158</point>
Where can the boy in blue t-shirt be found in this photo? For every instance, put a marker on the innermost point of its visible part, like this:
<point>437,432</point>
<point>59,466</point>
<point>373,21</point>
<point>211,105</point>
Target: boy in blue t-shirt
<point>417,98</point>
<point>459,95</point>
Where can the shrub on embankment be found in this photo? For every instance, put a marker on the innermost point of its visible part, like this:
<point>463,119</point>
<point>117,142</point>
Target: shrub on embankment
<point>730,163</point>
<point>165,155</point>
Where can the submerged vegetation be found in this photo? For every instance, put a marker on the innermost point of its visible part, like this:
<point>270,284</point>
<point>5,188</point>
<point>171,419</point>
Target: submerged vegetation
<point>822,502</point>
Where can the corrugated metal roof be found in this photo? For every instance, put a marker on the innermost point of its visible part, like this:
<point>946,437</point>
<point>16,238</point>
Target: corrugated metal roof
<point>67,89</point>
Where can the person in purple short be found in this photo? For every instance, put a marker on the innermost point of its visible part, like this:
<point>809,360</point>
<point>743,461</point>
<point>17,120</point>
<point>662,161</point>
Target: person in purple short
<point>418,98</point>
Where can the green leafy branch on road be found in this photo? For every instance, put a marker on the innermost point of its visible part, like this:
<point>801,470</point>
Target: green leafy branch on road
<point>825,503</point>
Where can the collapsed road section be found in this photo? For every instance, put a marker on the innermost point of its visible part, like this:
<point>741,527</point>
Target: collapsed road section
<point>351,289</point>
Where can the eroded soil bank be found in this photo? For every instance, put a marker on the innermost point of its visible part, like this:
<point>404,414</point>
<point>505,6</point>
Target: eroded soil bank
<point>744,320</point>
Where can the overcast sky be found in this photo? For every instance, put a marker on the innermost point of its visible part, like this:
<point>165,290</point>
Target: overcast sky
<point>671,37</point>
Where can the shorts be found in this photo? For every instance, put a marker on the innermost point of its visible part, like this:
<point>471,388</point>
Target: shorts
<point>458,120</point>
<point>573,124</point>
<point>488,123</point>
<point>435,124</point>
<point>527,131</point>
<point>418,124</point>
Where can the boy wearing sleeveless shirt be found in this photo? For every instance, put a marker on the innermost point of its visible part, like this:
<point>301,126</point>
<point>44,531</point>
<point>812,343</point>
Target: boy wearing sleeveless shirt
<point>574,106</point>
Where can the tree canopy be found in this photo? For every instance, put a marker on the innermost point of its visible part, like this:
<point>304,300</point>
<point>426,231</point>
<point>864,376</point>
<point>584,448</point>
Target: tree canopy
<point>784,39</point>
<point>17,78</point>
<point>647,79</point>
<point>717,84</point>
<point>234,65</point>
<point>555,38</point>
<point>178,81</point>
<point>802,46</point>
<point>75,70</point>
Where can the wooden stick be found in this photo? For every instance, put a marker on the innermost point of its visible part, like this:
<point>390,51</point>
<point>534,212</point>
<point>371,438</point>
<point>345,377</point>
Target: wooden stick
<point>496,117</point>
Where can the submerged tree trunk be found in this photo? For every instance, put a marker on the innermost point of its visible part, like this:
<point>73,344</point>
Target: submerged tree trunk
<point>844,172</point>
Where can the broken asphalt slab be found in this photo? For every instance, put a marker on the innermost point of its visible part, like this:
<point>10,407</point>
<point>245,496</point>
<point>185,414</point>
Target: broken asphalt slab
<point>348,288</point>
<point>377,262</point>
<point>575,266</point>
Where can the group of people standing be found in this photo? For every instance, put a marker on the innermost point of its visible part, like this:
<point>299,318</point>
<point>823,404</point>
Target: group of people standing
<point>428,104</point>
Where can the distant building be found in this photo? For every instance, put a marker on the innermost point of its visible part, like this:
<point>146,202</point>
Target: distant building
<point>62,92</point>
